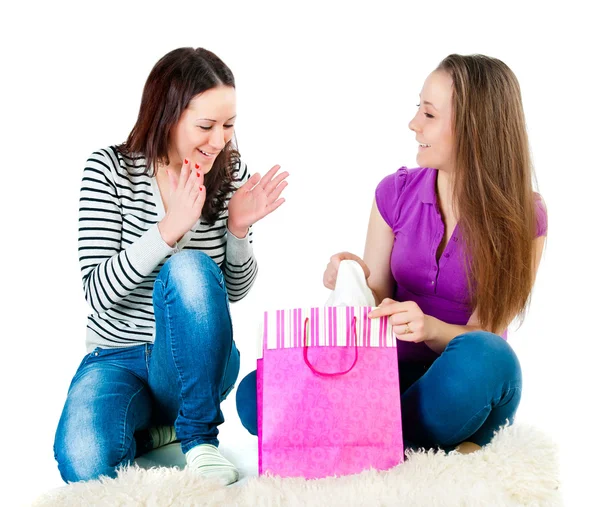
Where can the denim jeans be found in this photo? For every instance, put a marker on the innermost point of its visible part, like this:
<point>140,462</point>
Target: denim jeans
<point>181,379</point>
<point>466,394</point>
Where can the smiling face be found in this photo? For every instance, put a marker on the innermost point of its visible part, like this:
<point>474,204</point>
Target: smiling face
<point>433,123</point>
<point>204,128</point>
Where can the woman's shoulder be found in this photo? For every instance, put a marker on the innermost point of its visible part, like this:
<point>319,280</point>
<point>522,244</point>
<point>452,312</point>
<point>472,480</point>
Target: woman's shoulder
<point>397,188</point>
<point>112,171</point>
<point>403,180</point>
<point>541,215</point>
<point>117,164</point>
<point>539,200</point>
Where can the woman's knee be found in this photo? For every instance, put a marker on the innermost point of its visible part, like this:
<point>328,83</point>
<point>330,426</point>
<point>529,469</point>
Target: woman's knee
<point>193,275</point>
<point>82,452</point>
<point>486,354</point>
<point>246,403</point>
<point>89,440</point>
<point>475,365</point>
<point>190,262</point>
<point>476,372</point>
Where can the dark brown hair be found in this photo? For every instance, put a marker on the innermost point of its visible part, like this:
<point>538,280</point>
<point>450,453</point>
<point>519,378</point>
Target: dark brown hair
<point>174,81</point>
<point>493,189</point>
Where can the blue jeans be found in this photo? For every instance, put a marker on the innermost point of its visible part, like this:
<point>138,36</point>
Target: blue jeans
<point>181,379</point>
<point>466,394</point>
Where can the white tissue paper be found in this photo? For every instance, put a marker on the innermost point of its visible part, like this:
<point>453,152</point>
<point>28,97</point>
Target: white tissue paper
<point>351,287</point>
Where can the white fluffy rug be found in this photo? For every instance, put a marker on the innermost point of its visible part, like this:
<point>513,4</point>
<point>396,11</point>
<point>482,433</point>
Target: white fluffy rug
<point>518,468</point>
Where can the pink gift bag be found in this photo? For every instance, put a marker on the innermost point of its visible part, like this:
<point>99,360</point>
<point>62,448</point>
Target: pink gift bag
<point>328,393</point>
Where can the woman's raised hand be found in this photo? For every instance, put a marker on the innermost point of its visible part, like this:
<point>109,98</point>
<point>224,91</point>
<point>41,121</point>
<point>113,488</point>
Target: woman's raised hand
<point>186,201</point>
<point>255,199</point>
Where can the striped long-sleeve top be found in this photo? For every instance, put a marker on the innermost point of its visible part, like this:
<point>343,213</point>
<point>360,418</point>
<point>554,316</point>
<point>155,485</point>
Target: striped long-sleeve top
<point>121,250</point>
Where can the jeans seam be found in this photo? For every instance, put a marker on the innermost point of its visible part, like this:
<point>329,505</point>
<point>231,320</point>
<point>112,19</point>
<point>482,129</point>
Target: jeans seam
<point>510,390</point>
<point>225,369</point>
<point>169,326</point>
<point>221,281</point>
<point>225,393</point>
<point>124,427</point>
<point>221,391</point>
<point>453,438</point>
<point>147,357</point>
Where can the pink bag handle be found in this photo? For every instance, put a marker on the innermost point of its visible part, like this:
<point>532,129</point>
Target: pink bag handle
<point>322,373</point>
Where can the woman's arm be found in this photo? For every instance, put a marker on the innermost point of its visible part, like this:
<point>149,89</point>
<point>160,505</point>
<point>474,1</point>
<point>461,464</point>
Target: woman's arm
<point>442,332</point>
<point>110,274</point>
<point>378,250</point>
<point>240,267</point>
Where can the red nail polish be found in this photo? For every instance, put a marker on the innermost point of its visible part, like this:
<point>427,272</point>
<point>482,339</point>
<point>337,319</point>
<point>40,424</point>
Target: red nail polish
<point>185,161</point>
<point>197,166</point>
<point>200,188</point>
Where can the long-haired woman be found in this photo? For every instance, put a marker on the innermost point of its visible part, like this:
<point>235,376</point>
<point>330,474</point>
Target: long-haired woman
<point>164,245</point>
<point>451,255</point>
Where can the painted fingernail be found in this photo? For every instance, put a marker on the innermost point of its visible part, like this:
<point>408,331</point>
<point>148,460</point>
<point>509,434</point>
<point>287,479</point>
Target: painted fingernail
<point>197,166</point>
<point>201,189</point>
<point>185,160</point>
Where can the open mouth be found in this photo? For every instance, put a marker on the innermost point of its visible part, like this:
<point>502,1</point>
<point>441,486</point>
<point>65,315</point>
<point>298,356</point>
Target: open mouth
<point>424,145</point>
<point>207,155</point>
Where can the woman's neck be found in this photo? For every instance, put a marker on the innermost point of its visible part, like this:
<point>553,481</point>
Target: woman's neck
<point>445,191</point>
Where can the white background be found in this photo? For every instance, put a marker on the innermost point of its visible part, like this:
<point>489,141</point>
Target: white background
<point>326,91</point>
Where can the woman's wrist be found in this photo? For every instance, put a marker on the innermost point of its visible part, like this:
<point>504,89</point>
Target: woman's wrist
<point>168,237</point>
<point>441,334</point>
<point>238,232</point>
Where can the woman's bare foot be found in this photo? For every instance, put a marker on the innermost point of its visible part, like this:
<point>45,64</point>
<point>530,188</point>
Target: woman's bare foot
<point>467,447</point>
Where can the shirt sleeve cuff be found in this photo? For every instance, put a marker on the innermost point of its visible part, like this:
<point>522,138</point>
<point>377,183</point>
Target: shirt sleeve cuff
<point>239,250</point>
<point>147,253</point>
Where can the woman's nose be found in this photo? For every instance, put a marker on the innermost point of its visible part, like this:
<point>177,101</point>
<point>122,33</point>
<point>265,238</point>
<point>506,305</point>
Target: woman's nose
<point>413,125</point>
<point>217,138</point>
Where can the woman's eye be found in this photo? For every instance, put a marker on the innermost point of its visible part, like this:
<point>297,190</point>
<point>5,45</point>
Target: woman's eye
<point>427,115</point>
<point>209,128</point>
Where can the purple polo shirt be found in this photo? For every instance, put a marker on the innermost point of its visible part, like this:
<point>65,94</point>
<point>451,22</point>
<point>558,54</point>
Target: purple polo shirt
<point>407,202</point>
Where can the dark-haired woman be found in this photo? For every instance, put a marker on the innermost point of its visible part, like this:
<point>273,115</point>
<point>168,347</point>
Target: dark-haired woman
<point>451,255</point>
<point>164,245</point>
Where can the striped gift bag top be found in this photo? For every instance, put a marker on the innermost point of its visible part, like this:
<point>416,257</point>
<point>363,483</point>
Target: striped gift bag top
<point>329,326</point>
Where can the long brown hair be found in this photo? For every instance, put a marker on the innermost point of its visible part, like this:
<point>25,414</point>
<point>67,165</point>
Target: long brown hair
<point>174,81</point>
<point>493,189</point>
